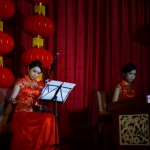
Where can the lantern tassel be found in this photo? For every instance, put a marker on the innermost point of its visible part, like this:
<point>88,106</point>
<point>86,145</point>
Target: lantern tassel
<point>40,77</point>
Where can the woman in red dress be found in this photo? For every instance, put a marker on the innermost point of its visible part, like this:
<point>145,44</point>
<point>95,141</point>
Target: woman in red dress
<point>30,130</point>
<point>126,90</point>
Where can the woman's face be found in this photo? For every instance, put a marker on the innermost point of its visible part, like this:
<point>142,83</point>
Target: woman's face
<point>34,72</point>
<point>130,76</point>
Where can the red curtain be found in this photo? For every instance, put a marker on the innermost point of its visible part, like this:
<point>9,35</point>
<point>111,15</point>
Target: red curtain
<point>94,39</point>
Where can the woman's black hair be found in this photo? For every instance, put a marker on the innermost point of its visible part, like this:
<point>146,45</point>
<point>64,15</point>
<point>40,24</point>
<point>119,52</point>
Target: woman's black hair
<point>36,63</point>
<point>128,67</point>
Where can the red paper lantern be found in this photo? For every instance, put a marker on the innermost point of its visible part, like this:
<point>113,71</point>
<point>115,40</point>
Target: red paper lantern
<point>6,78</point>
<point>37,54</point>
<point>40,1</point>
<point>38,25</point>
<point>6,43</point>
<point>6,9</point>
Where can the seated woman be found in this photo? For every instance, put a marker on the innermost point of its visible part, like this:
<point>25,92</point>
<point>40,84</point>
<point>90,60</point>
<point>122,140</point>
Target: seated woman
<point>30,130</point>
<point>126,90</point>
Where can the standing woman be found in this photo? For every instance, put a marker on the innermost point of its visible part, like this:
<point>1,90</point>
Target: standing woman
<point>126,90</point>
<point>30,130</point>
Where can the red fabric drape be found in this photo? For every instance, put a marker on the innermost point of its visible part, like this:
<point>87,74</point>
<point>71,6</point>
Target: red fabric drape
<point>94,39</point>
<point>33,131</point>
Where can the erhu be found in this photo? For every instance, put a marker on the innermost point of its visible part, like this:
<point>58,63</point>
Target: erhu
<point>52,66</point>
<point>49,73</point>
<point>45,108</point>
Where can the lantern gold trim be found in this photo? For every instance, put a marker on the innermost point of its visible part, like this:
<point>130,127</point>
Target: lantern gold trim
<point>1,61</point>
<point>1,26</point>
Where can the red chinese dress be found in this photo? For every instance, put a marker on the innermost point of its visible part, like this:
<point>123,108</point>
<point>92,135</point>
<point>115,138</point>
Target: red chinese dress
<point>28,94</point>
<point>31,130</point>
<point>127,90</point>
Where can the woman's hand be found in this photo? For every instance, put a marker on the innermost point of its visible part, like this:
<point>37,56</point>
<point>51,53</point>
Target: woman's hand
<point>46,81</point>
<point>12,101</point>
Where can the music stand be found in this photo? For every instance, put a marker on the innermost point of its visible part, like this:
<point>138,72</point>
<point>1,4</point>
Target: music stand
<point>56,91</point>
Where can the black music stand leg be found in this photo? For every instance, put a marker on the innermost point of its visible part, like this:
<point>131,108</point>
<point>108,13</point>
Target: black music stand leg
<point>57,146</point>
<point>45,105</point>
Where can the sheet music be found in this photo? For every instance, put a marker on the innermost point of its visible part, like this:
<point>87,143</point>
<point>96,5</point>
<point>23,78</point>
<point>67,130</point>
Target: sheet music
<point>53,86</point>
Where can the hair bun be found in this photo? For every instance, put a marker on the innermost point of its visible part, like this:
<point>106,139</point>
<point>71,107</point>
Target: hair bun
<point>128,67</point>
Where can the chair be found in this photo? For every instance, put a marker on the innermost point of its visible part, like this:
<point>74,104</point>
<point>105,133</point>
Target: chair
<point>5,110</point>
<point>104,115</point>
<point>105,119</point>
<point>5,115</point>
